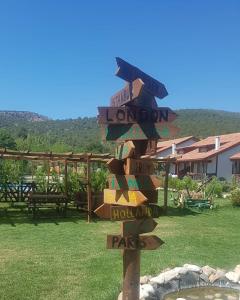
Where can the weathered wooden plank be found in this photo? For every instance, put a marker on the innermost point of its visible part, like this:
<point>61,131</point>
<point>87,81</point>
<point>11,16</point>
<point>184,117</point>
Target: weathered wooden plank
<point>144,242</point>
<point>134,114</point>
<point>145,147</point>
<point>131,274</point>
<point>129,93</point>
<point>126,198</point>
<point>152,196</point>
<point>136,227</point>
<point>117,213</point>
<point>145,131</point>
<point>115,166</point>
<point>138,167</point>
<point>125,150</point>
<point>129,73</point>
<point>133,183</point>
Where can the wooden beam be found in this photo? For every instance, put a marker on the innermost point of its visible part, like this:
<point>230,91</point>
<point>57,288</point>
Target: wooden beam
<point>167,168</point>
<point>89,192</point>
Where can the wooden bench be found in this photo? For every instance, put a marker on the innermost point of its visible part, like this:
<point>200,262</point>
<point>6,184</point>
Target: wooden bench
<point>38,200</point>
<point>198,203</point>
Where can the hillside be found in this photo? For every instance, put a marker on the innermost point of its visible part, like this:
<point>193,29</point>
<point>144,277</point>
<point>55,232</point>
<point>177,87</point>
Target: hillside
<point>7,117</point>
<point>82,134</point>
<point>203,122</point>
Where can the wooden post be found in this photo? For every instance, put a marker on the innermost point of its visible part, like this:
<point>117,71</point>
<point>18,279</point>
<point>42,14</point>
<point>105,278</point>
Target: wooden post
<point>89,192</point>
<point>48,174</point>
<point>167,167</point>
<point>131,274</point>
<point>65,177</point>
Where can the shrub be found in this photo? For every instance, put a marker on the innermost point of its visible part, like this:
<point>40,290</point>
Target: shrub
<point>235,197</point>
<point>214,188</point>
<point>99,180</point>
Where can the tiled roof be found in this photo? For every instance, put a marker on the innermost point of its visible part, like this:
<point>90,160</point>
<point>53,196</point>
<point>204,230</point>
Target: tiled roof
<point>235,156</point>
<point>161,146</point>
<point>227,141</point>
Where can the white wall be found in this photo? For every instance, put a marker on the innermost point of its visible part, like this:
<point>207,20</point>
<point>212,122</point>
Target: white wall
<point>225,164</point>
<point>211,167</point>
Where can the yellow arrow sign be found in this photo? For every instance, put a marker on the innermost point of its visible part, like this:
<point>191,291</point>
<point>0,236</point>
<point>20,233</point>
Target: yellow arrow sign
<point>127,198</point>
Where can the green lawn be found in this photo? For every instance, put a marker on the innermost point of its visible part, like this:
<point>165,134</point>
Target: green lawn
<point>57,258</point>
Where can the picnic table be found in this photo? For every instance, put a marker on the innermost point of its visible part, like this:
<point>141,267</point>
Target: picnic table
<point>38,200</point>
<point>198,203</point>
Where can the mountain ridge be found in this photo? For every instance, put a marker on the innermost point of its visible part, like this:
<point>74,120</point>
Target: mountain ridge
<point>83,134</point>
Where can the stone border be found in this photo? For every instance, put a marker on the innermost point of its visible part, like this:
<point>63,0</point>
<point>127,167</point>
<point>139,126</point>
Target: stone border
<point>187,276</point>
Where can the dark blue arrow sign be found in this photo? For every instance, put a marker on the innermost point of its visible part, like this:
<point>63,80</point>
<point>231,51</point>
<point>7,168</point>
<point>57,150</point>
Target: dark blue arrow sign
<point>129,73</point>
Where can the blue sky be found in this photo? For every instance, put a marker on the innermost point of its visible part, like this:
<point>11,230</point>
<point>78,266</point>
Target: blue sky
<point>57,57</point>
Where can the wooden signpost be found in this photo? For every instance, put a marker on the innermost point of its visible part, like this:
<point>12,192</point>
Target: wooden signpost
<point>135,120</point>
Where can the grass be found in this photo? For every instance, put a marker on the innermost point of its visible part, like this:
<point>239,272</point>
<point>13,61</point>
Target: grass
<point>66,258</point>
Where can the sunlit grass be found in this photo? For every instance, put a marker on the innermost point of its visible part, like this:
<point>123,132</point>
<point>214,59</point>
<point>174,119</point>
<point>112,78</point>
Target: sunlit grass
<point>66,258</point>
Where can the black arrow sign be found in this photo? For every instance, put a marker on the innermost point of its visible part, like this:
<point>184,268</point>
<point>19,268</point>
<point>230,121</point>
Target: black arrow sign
<point>129,73</point>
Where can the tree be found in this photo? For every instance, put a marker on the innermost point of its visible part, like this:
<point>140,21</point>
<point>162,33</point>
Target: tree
<point>6,140</point>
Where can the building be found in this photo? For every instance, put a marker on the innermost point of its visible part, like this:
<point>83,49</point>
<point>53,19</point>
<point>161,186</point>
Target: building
<point>213,156</point>
<point>170,147</point>
<point>167,148</point>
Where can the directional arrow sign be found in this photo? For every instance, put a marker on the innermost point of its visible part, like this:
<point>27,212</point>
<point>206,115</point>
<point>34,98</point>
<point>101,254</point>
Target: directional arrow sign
<point>117,213</point>
<point>144,242</point>
<point>138,167</point>
<point>143,131</point>
<point>134,114</point>
<point>145,147</point>
<point>127,94</point>
<point>125,150</point>
<point>129,73</point>
<point>137,227</point>
<point>115,166</point>
<point>133,183</point>
<point>127,198</point>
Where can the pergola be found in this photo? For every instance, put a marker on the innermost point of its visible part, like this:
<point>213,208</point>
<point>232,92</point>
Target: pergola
<point>64,158</point>
<point>86,158</point>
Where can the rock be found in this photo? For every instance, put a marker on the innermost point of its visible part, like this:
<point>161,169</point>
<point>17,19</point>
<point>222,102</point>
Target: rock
<point>189,280</point>
<point>181,299</point>
<point>204,277</point>
<point>237,269</point>
<point>232,276</point>
<point>218,295</point>
<point>193,268</point>
<point>218,275</point>
<point>209,297</point>
<point>165,277</point>
<point>145,279</point>
<point>120,296</point>
<point>180,270</point>
<point>208,270</point>
<point>146,290</point>
<point>230,297</point>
